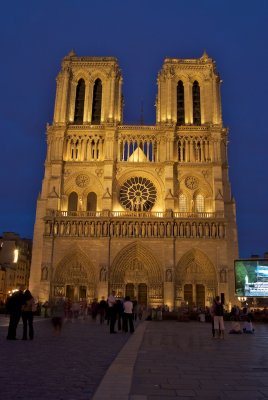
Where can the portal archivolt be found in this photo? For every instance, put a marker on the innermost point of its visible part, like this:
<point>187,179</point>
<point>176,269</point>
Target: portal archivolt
<point>195,278</point>
<point>75,275</point>
<point>136,272</point>
<point>135,263</point>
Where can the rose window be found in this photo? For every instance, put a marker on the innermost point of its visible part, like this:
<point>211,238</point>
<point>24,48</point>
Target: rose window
<point>191,182</point>
<point>82,180</point>
<point>138,194</point>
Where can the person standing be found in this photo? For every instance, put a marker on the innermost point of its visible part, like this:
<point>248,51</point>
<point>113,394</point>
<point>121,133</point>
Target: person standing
<point>128,315</point>
<point>112,310</point>
<point>13,307</point>
<point>218,318</point>
<point>119,314</point>
<point>102,309</point>
<point>212,314</point>
<point>27,313</point>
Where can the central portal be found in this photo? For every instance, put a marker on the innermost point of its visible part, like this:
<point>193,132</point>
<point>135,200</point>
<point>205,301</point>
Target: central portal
<point>136,273</point>
<point>137,291</point>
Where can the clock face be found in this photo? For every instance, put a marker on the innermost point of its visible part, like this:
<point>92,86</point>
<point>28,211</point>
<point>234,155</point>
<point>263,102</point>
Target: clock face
<point>138,194</point>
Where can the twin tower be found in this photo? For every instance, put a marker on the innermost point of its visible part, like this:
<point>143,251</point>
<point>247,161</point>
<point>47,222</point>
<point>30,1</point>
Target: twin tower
<point>89,91</point>
<point>145,210</point>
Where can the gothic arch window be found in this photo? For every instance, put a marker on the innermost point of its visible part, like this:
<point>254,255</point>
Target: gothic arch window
<point>181,151</point>
<point>91,201</point>
<point>198,151</point>
<point>72,201</point>
<point>79,102</point>
<point>196,104</point>
<point>180,104</point>
<point>182,203</point>
<point>96,103</point>
<point>200,203</point>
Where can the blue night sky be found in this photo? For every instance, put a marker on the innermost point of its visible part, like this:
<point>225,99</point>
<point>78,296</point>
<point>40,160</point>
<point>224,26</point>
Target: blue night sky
<point>36,35</point>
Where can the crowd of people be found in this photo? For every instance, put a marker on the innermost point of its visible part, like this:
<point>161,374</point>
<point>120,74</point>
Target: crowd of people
<point>119,314</point>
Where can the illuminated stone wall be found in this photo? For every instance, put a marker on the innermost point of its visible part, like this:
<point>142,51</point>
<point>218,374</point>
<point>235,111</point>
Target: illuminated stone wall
<point>145,210</point>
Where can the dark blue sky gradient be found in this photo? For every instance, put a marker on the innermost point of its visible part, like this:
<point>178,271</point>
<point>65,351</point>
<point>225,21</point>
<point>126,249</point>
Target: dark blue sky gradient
<point>36,35</point>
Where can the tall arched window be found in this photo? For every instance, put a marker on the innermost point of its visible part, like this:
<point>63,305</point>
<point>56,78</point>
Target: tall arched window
<point>91,201</point>
<point>196,104</point>
<point>200,203</point>
<point>96,103</point>
<point>72,201</point>
<point>182,203</point>
<point>181,151</point>
<point>180,104</point>
<point>79,102</point>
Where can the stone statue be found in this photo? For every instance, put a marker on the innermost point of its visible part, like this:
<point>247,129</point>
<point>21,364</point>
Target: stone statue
<point>168,275</point>
<point>103,274</point>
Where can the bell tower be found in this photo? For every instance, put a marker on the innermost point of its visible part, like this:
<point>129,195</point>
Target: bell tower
<point>88,91</point>
<point>189,92</point>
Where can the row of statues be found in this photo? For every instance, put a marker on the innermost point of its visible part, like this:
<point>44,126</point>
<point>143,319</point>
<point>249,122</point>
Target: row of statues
<point>189,229</point>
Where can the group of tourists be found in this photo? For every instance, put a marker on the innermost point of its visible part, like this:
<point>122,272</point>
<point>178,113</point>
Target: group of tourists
<point>120,314</point>
<point>217,320</point>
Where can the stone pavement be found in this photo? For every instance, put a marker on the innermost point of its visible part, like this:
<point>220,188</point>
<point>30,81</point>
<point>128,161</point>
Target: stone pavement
<point>66,367</point>
<point>178,360</point>
<point>161,360</point>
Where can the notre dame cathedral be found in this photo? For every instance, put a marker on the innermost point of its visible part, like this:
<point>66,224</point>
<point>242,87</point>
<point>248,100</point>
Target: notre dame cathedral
<point>145,210</point>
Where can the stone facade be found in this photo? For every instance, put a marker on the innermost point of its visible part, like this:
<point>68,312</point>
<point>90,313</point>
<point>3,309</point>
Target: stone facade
<point>144,210</point>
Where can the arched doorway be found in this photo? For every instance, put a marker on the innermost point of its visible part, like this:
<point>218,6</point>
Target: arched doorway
<point>135,272</point>
<point>196,292</point>
<point>195,279</point>
<point>142,293</point>
<point>74,278</point>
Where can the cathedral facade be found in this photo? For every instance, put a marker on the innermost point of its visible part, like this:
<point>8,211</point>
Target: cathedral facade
<point>145,210</point>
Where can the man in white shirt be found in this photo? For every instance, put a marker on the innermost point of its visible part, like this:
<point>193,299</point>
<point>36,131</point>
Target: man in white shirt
<point>128,315</point>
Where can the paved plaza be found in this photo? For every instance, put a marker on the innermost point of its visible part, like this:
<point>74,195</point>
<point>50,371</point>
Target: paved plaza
<point>161,360</point>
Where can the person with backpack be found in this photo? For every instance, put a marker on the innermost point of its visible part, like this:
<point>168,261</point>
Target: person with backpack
<point>27,312</point>
<point>218,318</point>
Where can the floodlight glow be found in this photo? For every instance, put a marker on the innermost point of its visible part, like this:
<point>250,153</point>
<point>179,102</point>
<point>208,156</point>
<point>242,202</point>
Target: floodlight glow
<point>16,255</point>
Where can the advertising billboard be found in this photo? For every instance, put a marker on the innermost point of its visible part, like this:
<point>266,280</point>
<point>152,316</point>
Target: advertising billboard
<point>251,277</point>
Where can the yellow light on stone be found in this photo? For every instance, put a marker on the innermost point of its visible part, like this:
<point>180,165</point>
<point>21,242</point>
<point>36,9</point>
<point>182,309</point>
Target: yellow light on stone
<point>16,255</point>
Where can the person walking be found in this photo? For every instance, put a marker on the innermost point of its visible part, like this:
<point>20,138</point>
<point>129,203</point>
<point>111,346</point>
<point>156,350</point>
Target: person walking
<point>218,318</point>
<point>112,310</point>
<point>13,307</point>
<point>27,313</point>
<point>128,315</point>
<point>58,314</point>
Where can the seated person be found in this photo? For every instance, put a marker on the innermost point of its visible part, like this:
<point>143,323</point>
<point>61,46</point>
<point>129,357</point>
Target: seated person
<point>248,327</point>
<point>236,329</point>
